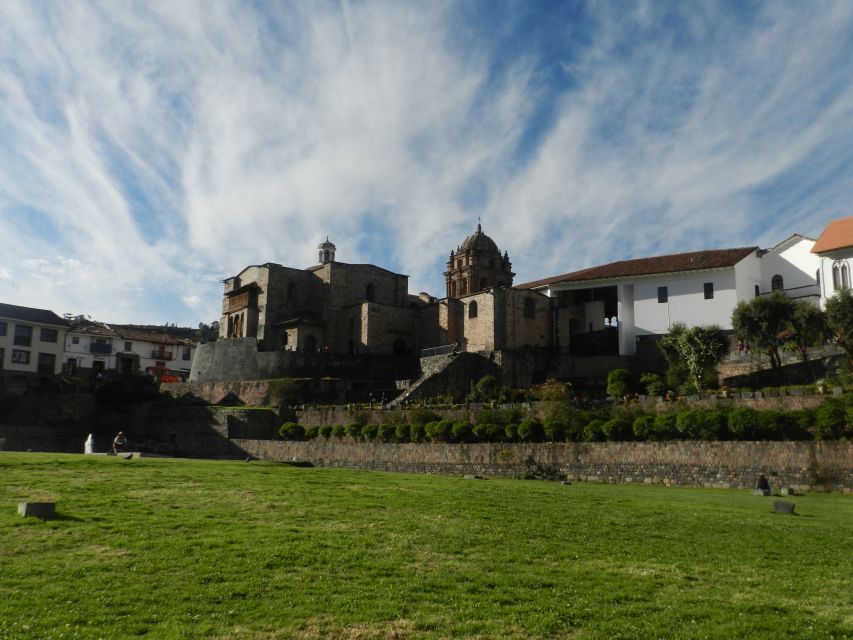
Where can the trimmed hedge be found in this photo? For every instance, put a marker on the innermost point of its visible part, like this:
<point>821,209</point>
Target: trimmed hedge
<point>831,420</point>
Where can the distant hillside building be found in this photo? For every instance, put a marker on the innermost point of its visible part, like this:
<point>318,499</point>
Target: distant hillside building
<point>31,340</point>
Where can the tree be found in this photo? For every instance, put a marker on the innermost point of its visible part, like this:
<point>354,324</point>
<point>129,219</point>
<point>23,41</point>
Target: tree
<point>839,317</point>
<point>698,350</point>
<point>208,332</point>
<point>676,372</point>
<point>618,383</point>
<point>761,320</point>
<point>810,327</point>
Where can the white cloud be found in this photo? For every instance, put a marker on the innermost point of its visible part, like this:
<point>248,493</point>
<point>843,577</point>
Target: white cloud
<point>161,147</point>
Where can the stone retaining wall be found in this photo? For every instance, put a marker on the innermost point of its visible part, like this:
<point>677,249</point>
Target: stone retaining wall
<point>804,466</point>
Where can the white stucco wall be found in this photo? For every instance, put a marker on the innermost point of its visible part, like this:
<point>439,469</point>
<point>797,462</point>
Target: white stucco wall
<point>794,261</point>
<point>36,346</point>
<point>825,264</point>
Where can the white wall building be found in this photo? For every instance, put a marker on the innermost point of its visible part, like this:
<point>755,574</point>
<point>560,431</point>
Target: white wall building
<point>613,306</point>
<point>93,347</point>
<point>834,254</point>
<point>31,340</point>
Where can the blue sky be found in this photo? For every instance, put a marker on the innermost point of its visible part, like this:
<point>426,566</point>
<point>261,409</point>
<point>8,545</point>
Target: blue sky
<point>149,150</point>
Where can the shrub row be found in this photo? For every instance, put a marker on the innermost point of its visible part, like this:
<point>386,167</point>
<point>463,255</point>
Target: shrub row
<point>831,420</point>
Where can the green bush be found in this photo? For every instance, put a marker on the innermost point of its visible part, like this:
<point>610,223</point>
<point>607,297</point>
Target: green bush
<point>592,431</point>
<point>666,427</point>
<point>420,416</point>
<point>311,432</point>
<point>354,430</point>
<point>439,430</point>
<point>489,432</point>
<point>530,430</point>
<point>830,419</point>
<point>291,431</point>
<point>554,431</point>
<point>387,432</point>
<point>417,432</point>
<point>326,430</point>
<point>511,432</point>
<point>403,432</point>
<point>744,423</point>
<point>618,383</point>
<point>617,429</point>
<point>369,431</point>
<point>462,432</point>
<point>652,383</point>
<point>696,424</point>
<point>644,427</point>
<point>339,430</point>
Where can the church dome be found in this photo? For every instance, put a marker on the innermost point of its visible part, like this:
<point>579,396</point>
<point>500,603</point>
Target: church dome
<point>479,242</point>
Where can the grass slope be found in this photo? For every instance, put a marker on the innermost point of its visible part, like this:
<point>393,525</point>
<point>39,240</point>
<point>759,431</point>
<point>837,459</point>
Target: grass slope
<point>209,549</point>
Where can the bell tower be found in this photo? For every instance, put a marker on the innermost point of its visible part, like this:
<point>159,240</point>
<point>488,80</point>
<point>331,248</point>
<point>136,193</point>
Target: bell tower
<point>326,252</point>
<point>477,264</point>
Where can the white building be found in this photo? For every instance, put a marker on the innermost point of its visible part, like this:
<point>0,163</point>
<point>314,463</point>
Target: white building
<point>31,340</point>
<point>834,254</point>
<point>613,306</point>
<point>94,347</point>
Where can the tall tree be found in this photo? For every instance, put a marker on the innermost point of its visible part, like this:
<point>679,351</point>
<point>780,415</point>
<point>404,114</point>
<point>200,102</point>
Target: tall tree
<point>810,327</point>
<point>761,320</point>
<point>839,317</point>
<point>701,349</point>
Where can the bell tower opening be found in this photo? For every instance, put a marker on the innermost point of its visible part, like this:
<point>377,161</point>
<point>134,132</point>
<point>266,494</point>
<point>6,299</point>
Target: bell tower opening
<point>326,252</point>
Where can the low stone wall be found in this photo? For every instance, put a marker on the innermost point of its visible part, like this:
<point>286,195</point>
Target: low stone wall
<point>805,466</point>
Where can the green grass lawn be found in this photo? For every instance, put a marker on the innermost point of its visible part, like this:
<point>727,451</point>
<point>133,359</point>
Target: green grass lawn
<point>210,549</point>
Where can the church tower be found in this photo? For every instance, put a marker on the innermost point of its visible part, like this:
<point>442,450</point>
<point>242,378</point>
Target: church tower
<point>477,264</point>
<point>326,252</point>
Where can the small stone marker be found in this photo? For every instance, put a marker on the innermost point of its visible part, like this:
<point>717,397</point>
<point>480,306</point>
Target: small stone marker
<point>761,492</point>
<point>781,506</point>
<point>471,476</point>
<point>566,482</point>
<point>43,510</point>
<point>787,491</point>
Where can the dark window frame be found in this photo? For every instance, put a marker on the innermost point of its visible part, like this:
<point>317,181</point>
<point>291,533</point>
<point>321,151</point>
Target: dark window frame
<point>663,294</point>
<point>472,309</point>
<point>708,290</point>
<point>23,335</point>
<point>20,356</point>
<point>48,335</point>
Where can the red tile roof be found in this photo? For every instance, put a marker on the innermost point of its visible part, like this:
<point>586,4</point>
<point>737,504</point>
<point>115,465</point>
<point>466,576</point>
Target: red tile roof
<point>837,235</point>
<point>677,262</point>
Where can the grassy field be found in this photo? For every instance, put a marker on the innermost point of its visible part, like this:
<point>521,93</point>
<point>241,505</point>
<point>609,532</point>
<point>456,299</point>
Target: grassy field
<point>208,549</point>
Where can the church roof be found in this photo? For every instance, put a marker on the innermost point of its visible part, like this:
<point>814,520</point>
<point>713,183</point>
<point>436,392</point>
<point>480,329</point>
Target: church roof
<point>674,263</point>
<point>837,235</point>
<point>479,241</point>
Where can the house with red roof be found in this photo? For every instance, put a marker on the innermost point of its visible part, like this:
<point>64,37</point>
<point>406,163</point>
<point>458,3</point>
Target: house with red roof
<point>834,252</point>
<point>615,306</point>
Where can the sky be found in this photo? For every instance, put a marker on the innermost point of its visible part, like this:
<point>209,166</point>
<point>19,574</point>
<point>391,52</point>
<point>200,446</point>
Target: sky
<point>149,150</point>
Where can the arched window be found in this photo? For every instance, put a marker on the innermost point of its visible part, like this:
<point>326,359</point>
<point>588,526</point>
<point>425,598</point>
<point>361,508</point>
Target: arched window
<point>464,286</point>
<point>529,308</point>
<point>840,276</point>
<point>291,292</point>
<point>369,292</point>
<point>776,283</point>
<point>472,309</point>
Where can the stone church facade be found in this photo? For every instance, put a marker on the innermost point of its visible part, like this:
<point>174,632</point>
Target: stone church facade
<point>360,308</point>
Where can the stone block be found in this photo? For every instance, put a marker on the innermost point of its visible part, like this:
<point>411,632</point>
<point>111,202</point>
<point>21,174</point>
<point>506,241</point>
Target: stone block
<point>781,506</point>
<point>787,491</point>
<point>761,492</point>
<point>837,391</point>
<point>43,510</point>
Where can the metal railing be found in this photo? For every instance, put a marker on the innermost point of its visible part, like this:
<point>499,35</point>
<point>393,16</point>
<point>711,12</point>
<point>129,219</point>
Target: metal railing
<point>100,347</point>
<point>807,291</point>
<point>439,351</point>
<point>163,355</point>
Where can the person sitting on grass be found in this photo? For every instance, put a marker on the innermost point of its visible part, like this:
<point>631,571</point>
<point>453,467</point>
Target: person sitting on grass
<point>119,443</point>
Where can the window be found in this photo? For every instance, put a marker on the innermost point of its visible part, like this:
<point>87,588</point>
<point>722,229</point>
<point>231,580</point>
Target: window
<point>663,294</point>
<point>464,287</point>
<point>185,355</point>
<point>2,358</point>
<point>48,335</point>
<point>46,363</point>
<point>529,308</point>
<point>75,340</point>
<point>757,291</point>
<point>23,335</point>
<point>2,328</point>
<point>709,291</point>
<point>840,278</point>
<point>472,310</point>
<point>777,283</point>
<point>19,356</point>
<point>128,346</point>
